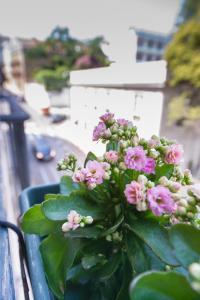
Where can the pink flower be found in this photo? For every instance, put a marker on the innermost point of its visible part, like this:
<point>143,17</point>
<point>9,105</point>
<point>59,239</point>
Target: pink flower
<point>79,176</point>
<point>174,154</point>
<point>160,200</point>
<point>123,122</point>
<point>135,158</point>
<point>111,156</point>
<point>107,117</point>
<point>73,221</point>
<point>99,131</point>
<point>152,143</point>
<point>150,165</point>
<point>94,171</point>
<point>134,192</point>
<point>73,217</point>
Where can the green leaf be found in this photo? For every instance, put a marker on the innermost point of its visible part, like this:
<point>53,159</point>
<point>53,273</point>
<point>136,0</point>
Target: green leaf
<point>90,156</point>
<point>156,237</point>
<point>50,196</point>
<point>77,292</point>
<point>59,209</point>
<point>164,170</point>
<point>90,261</point>
<point>35,222</point>
<point>110,267</point>
<point>126,279</point>
<point>112,229</point>
<point>78,275</point>
<point>86,232</point>
<point>58,255</point>
<point>67,186</point>
<point>141,256</point>
<point>186,241</point>
<point>162,286</point>
<point>112,146</point>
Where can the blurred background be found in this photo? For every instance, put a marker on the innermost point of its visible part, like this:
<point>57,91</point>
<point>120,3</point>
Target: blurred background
<point>64,63</point>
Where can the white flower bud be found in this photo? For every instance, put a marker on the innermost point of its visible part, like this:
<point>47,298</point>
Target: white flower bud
<point>141,206</point>
<point>65,227</point>
<point>164,181</point>
<point>183,202</point>
<point>88,220</point>
<point>122,166</point>
<point>82,224</point>
<point>142,179</point>
<point>181,210</point>
<point>194,270</point>
<point>150,184</point>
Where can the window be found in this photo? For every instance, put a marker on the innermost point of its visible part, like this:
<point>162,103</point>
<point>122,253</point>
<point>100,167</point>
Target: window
<point>149,57</point>
<point>140,56</point>
<point>140,41</point>
<point>160,45</point>
<point>150,43</point>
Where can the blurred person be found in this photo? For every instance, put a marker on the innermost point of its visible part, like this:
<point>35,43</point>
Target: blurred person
<point>14,72</point>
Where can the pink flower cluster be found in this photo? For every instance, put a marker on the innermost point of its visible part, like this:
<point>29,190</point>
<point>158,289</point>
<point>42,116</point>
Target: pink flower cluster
<point>75,220</point>
<point>73,223</point>
<point>158,199</point>
<point>107,117</point>
<point>99,131</point>
<point>111,156</point>
<point>136,159</point>
<point>174,154</point>
<point>93,174</point>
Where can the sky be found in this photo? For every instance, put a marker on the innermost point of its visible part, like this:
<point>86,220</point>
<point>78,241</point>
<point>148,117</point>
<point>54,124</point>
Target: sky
<point>84,18</point>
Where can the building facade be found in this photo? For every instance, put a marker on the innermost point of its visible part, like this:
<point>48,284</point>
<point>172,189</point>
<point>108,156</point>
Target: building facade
<point>150,45</point>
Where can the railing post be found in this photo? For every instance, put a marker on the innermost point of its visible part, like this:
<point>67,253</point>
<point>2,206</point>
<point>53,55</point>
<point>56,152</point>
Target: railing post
<point>21,154</point>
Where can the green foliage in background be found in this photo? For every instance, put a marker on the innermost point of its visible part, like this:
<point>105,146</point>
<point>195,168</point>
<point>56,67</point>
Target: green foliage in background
<point>53,79</point>
<point>183,55</point>
<point>49,62</point>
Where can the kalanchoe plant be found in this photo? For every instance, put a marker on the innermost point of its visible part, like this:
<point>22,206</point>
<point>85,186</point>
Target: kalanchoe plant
<point>111,220</point>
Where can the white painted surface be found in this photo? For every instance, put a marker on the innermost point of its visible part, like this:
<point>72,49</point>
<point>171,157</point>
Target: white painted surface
<point>144,108</point>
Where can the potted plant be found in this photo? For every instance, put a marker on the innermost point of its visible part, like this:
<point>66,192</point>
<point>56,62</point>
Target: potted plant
<point>111,220</point>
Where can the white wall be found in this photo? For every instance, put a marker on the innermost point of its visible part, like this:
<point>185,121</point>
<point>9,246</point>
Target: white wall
<point>88,102</point>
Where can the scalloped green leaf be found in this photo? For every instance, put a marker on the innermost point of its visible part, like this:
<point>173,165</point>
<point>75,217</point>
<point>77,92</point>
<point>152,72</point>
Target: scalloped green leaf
<point>35,222</point>
<point>162,286</point>
<point>67,186</point>
<point>186,241</point>
<point>156,237</point>
<point>58,255</point>
<point>58,209</point>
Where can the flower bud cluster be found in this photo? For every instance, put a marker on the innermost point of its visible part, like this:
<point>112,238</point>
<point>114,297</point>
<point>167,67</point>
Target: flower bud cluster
<point>110,129</point>
<point>93,174</point>
<point>75,221</point>
<point>187,206</point>
<point>114,237</point>
<point>67,163</point>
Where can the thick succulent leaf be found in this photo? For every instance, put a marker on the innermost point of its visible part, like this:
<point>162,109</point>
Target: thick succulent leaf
<point>58,255</point>
<point>162,286</point>
<point>127,276</point>
<point>67,185</point>
<point>141,256</point>
<point>164,170</point>
<point>77,292</point>
<point>186,241</point>
<point>110,267</point>
<point>90,261</point>
<point>156,237</point>
<point>86,232</point>
<point>78,275</point>
<point>90,156</point>
<point>35,222</point>
<point>59,209</point>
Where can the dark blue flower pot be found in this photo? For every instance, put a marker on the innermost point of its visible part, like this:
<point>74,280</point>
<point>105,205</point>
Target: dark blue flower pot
<point>29,197</point>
